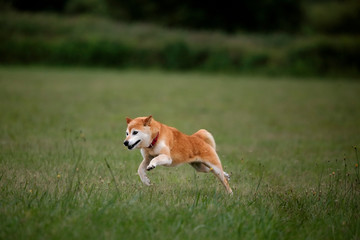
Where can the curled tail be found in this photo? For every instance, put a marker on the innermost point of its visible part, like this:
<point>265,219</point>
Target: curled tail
<point>207,137</point>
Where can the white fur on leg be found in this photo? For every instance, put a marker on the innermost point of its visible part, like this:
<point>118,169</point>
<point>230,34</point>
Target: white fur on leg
<point>161,160</point>
<point>142,173</point>
<point>144,178</point>
<point>216,170</point>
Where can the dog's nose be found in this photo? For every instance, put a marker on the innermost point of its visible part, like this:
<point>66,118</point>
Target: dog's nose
<point>126,143</point>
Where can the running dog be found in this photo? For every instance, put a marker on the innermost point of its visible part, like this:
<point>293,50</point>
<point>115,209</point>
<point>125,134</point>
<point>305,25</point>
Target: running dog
<point>161,145</point>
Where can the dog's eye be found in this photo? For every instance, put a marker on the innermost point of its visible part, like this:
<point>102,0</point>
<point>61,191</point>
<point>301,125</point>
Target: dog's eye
<point>127,133</point>
<point>135,132</point>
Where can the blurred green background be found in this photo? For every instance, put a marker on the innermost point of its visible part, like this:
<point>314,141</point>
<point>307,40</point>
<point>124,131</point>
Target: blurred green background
<point>290,142</point>
<point>272,37</point>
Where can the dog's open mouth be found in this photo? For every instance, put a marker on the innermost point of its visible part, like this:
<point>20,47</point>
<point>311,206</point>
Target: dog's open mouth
<point>132,146</point>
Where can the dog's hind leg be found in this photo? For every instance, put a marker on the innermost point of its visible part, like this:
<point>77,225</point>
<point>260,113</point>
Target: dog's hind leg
<point>219,173</point>
<point>200,167</point>
<point>212,161</point>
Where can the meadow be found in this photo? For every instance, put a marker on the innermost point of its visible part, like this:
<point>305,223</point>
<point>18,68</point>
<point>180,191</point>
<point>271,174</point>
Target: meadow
<point>290,144</point>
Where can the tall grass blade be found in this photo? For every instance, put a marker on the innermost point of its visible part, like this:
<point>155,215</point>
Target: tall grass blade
<point>113,177</point>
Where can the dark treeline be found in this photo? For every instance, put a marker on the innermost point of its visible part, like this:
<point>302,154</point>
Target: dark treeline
<point>321,16</point>
<point>259,15</point>
<point>324,16</point>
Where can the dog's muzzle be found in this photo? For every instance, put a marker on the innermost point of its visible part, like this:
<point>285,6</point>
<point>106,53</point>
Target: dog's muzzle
<point>126,143</point>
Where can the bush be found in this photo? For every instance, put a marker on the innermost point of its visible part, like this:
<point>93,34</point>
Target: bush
<point>176,55</point>
<point>90,41</point>
<point>255,60</point>
<point>325,57</point>
<point>218,61</point>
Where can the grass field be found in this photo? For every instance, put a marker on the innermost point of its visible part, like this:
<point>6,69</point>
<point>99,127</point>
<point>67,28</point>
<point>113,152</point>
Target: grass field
<point>288,144</point>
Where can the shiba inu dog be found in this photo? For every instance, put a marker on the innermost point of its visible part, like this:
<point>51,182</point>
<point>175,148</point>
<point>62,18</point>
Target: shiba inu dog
<point>161,145</point>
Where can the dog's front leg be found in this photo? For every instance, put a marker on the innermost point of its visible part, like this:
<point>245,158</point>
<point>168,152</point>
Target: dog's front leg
<point>161,160</point>
<point>142,168</point>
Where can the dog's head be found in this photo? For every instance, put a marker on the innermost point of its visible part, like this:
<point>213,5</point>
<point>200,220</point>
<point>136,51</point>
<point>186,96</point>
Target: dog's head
<point>138,132</point>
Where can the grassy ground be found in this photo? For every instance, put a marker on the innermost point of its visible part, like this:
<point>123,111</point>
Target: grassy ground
<point>288,144</point>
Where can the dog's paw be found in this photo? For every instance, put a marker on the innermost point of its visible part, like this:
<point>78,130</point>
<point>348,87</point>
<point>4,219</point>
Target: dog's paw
<point>150,167</point>
<point>227,176</point>
<point>146,181</point>
<point>144,178</point>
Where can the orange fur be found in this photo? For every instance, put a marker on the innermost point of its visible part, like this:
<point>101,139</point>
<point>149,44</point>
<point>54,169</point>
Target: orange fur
<point>173,148</point>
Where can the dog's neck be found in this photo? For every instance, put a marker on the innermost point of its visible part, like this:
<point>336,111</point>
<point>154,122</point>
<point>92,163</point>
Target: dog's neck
<point>154,141</point>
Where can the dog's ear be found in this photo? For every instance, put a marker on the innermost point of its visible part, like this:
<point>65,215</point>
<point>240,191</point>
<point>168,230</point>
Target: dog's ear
<point>128,120</point>
<point>147,121</point>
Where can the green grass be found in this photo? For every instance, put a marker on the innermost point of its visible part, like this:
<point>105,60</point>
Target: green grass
<point>288,144</point>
